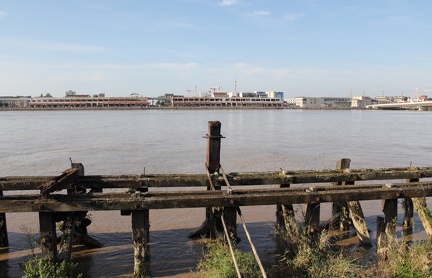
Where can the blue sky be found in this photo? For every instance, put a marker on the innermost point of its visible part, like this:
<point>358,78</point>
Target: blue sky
<point>300,47</point>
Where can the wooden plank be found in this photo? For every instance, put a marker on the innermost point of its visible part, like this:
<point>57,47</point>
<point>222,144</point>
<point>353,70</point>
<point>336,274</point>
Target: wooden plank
<point>235,178</point>
<point>61,182</point>
<point>220,198</point>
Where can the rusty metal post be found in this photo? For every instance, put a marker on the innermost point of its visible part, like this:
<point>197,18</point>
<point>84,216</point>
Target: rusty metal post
<point>213,146</point>
<point>4,240</point>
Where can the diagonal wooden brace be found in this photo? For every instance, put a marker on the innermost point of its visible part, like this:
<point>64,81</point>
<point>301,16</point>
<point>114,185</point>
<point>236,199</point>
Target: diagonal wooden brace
<point>59,183</point>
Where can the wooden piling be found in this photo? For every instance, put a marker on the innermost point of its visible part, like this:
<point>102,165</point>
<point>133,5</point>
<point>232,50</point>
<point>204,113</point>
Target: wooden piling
<point>424,214</point>
<point>353,208</point>
<point>312,215</point>
<point>4,239</point>
<point>48,238</point>
<point>140,236</point>
<point>390,214</point>
<point>340,213</point>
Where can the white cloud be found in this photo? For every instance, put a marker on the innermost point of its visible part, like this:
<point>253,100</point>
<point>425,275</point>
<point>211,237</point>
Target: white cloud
<point>3,14</point>
<point>228,2</point>
<point>260,13</point>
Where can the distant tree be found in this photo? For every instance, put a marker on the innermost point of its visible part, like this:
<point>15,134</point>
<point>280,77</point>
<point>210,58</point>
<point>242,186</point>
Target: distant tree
<point>48,95</point>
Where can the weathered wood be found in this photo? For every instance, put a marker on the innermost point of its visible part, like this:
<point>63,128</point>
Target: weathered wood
<point>354,209</point>
<point>390,213</point>
<point>235,178</point>
<point>312,217</point>
<point>59,183</point>
<point>284,212</point>
<point>408,206</point>
<point>4,239</point>
<point>219,198</point>
<point>381,236</point>
<point>424,214</point>
<point>140,239</point>
<point>339,209</point>
<point>359,222</point>
<point>67,238</point>
<point>48,238</point>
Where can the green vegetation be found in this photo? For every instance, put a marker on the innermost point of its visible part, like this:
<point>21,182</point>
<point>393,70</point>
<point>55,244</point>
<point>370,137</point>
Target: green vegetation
<point>218,263</point>
<point>42,267</point>
<point>317,256</point>
<point>35,267</point>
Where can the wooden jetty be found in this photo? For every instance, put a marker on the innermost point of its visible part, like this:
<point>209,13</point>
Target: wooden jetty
<point>69,196</point>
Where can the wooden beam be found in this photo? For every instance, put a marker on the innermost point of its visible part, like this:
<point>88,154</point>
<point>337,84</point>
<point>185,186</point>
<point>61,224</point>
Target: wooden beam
<point>220,198</point>
<point>234,178</point>
<point>59,183</point>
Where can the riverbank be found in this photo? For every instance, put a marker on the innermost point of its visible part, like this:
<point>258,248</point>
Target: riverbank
<point>174,108</point>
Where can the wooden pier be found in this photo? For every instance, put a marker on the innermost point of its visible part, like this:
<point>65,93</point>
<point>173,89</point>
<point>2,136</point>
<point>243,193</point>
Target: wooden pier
<point>69,196</point>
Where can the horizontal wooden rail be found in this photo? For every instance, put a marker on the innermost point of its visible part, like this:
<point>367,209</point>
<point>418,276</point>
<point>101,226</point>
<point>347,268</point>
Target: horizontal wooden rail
<point>219,198</point>
<point>234,178</point>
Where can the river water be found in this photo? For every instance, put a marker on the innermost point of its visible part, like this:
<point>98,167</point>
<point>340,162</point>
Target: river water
<point>171,141</point>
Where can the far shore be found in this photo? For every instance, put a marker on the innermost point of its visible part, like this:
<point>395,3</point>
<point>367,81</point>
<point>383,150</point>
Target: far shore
<point>175,108</point>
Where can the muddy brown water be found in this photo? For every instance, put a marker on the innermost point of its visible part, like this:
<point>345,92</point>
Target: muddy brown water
<point>126,142</point>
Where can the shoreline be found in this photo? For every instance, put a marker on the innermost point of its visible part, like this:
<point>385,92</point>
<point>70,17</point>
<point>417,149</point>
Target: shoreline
<point>175,108</point>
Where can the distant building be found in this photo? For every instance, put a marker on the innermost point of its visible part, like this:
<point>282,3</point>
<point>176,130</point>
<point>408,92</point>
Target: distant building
<point>226,102</point>
<point>322,102</point>
<point>309,102</point>
<point>361,101</point>
<point>15,101</point>
<point>75,101</point>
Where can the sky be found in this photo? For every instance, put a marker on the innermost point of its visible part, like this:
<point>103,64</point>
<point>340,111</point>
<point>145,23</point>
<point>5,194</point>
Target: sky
<point>310,48</point>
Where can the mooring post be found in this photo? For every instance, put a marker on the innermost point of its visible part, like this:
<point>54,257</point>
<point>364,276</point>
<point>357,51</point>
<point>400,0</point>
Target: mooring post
<point>140,238</point>
<point>48,238</point>
<point>4,240</point>
<point>212,226</point>
<point>213,165</point>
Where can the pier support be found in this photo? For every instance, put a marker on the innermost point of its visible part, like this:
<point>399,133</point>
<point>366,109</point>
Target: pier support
<point>4,239</point>
<point>48,238</point>
<point>352,210</point>
<point>140,239</point>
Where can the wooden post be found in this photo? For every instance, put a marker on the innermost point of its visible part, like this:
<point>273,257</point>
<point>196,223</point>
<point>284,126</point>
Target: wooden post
<point>4,240</point>
<point>424,214</point>
<point>140,236</point>
<point>340,209</point>
<point>67,238</point>
<point>382,243</point>
<point>390,213</point>
<point>312,216</point>
<point>284,212</point>
<point>354,209</point>
<point>48,238</point>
